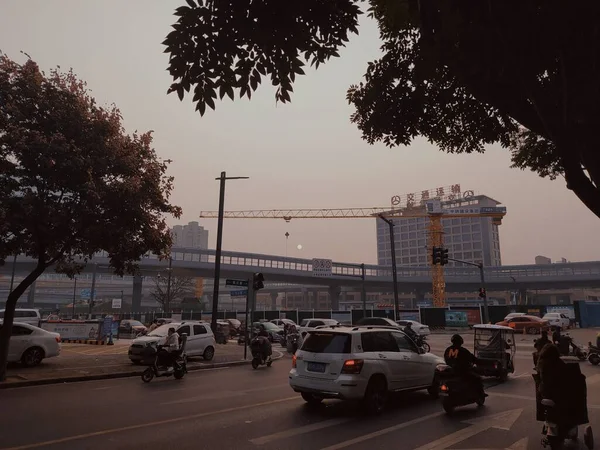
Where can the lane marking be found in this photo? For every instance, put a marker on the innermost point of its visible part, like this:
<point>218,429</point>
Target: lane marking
<point>525,397</point>
<point>524,374</point>
<point>298,431</point>
<point>375,434</point>
<point>149,424</point>
<point>223,394</point>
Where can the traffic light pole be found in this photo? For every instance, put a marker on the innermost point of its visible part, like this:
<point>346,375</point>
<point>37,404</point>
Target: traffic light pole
<point>394,267</point>
<point>486,312</point>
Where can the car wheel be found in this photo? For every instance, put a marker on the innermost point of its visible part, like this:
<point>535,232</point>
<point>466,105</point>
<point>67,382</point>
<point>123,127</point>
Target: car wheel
<point>375,396</point>
<point>32,357</point>
<point>448,406</point>
<point>532,330</point>
<point>311,399</point>
<point>209,353</point>
<point>594,359</point>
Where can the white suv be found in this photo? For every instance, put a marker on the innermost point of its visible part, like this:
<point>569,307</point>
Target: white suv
<point>361,363</point>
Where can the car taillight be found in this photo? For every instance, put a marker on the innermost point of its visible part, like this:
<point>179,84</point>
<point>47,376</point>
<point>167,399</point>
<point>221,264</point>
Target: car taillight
<point>444,388</point>
<point>57,339</point>
<point>293,361</point>
<point>352,366</point>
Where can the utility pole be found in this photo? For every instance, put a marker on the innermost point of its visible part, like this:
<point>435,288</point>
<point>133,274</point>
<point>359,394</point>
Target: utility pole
<point>394,269</point>
<point>74,294</point>
<point>482,290</point>
<point>215,305</point>
<point>363,293</point>
<point>92,294</point>
<point>168,299</point>
<point>287,235</point>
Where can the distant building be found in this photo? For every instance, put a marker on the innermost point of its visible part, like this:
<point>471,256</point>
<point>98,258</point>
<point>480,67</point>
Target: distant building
<point>472,239</point>
<point>191,235</point>
<point>542,260</point>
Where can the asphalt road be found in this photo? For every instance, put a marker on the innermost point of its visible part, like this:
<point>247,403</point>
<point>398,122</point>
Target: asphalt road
<point>239,408</point>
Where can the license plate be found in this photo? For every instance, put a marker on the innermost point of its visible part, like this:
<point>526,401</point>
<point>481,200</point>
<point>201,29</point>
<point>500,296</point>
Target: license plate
<point>315,367</point>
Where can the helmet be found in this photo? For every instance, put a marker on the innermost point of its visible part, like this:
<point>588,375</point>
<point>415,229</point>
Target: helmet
<point>457,340</point>
<point>409,324</point>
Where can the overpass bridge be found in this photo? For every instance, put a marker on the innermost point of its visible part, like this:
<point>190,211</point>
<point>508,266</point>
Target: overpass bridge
<point>278,269</point>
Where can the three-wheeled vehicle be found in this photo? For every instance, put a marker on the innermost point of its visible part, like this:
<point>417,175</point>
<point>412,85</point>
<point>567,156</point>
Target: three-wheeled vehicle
<point>495,348</point>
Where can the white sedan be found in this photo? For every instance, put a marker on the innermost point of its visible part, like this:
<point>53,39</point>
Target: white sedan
<point>419,328</point>
<point>30,345</point>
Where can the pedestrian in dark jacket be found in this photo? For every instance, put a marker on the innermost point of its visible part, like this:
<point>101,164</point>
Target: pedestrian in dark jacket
<point>553,374</point>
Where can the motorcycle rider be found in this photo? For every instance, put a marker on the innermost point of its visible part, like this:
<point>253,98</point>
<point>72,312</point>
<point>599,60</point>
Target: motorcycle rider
<point>462,360</point>
<point>410,332</point>
<point>171,347</point>
<point>153,326</point>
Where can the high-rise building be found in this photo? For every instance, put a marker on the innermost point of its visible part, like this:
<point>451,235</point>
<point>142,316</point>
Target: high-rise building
<point>472,239</point>
<point>191,235</point>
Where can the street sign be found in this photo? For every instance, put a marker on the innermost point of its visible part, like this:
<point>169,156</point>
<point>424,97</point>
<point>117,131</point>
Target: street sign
<point>321,267</point>
<point>87,293</point>
<point>243,283</point>
<point>240,293</point>
<point>116,303</point>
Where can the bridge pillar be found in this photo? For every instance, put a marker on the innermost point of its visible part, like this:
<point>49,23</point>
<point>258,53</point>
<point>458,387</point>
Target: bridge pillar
<point>136,296</point>
<point>274,296</point>
<point>305,299</point>
<point>419,297</point>
<point>334,297</point>
<point>31,295</point>
<point>522,299</point>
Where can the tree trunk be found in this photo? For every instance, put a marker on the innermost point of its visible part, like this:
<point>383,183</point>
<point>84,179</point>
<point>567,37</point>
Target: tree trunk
<point>580,184</point>
<point>9,315</point>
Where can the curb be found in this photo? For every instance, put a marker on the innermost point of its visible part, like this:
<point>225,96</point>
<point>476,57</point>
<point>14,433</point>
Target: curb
<point>83,341</point>
<point>111,376</point>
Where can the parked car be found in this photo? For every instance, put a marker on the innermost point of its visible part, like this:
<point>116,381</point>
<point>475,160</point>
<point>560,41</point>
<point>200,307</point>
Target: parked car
<point>377,321</point>
<point>235,327</point>
<point>282,322</point>
<point>275,332</point>
<point>557,320</point>
<point>351,363</point>
<point>308,324</point>
<point>200,341</point>
<point>131,327</point>
<point>418,327</point>
<point>26,315</point>
<point>531,324</point>
<point>30,345</point>
<point>513,314</point>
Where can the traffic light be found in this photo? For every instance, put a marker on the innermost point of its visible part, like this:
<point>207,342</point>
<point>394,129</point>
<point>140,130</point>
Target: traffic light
<point>444,256</point>
<point>437,255</point>
<point>258,281</point>
<point>482,293</point>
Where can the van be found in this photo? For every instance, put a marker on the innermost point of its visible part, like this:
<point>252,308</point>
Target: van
<point>30,316</point>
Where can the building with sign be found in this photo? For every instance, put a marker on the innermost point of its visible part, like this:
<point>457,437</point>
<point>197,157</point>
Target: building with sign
<point>472,239</point>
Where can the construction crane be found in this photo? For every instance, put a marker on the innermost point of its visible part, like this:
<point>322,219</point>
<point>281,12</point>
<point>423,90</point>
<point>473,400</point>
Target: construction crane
<point>431,209</point>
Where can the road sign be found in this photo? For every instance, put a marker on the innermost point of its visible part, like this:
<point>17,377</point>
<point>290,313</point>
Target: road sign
<point>116,303</point>
<point>87,293</point>
<point>240,293</point>
<point>243,283</point>
<point>321,267</point>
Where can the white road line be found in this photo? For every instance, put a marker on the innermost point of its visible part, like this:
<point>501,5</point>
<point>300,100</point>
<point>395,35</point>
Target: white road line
<point>375,434</point>
<point>298,431</point>
<point>521,375</point>
<point>525,397</point>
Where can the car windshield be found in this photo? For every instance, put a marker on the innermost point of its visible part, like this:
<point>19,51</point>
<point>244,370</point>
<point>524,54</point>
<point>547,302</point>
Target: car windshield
<point>161,331</point>
<point>304,322</point>
<point>319,342</point>
<point>268,326</point>
<point>136,323</point>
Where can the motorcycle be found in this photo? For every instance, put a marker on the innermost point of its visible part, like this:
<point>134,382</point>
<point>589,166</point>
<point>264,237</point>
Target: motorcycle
<point>456,391</point>
<point>593,354</point>
<point>157,369</point>
<point>292,342</point>
<point>568,347</point>
<point>422,343</point>
<point>261,353</point>
<point>554,434</point>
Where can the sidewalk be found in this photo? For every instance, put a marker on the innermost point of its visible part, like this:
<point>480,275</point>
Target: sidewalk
<point>80,362</point>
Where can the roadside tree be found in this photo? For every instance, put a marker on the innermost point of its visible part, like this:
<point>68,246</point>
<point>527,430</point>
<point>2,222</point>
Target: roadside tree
<point>72,182</point>
<point>462,73</point>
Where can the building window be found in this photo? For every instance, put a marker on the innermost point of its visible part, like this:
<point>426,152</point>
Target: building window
<point>414,260</point>
<point>413,243</point>
<point>476,227</point>
<point>412,227</point>
<point>476,236</point>
<point>466,237</point>
<point>477,255</point>
<point>467,246</point>
<point>405,260</point>
<point>457,247</point>
<point>414,251</point>
<point>404,236</point>
<point>422,243</point>
<point>412,235</point>
<point>466,228</point>
<point>468,256</point>
<point>477,245</point>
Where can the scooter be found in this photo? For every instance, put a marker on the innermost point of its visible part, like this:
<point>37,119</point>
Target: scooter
<point>593,354</point>
<point>455,391</point>
<point>177,370</point>
<point>555,434</point>
<point>260,355</point>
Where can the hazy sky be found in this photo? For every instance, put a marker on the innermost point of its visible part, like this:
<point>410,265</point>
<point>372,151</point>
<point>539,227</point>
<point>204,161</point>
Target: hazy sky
<point>303,155</point>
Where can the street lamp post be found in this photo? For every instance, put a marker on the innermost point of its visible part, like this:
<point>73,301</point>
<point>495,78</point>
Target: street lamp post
<point>215,305</point>
<point>394,269</point>
<point>74,294</point>
<point>168,299</point>
<point>287,236</point>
